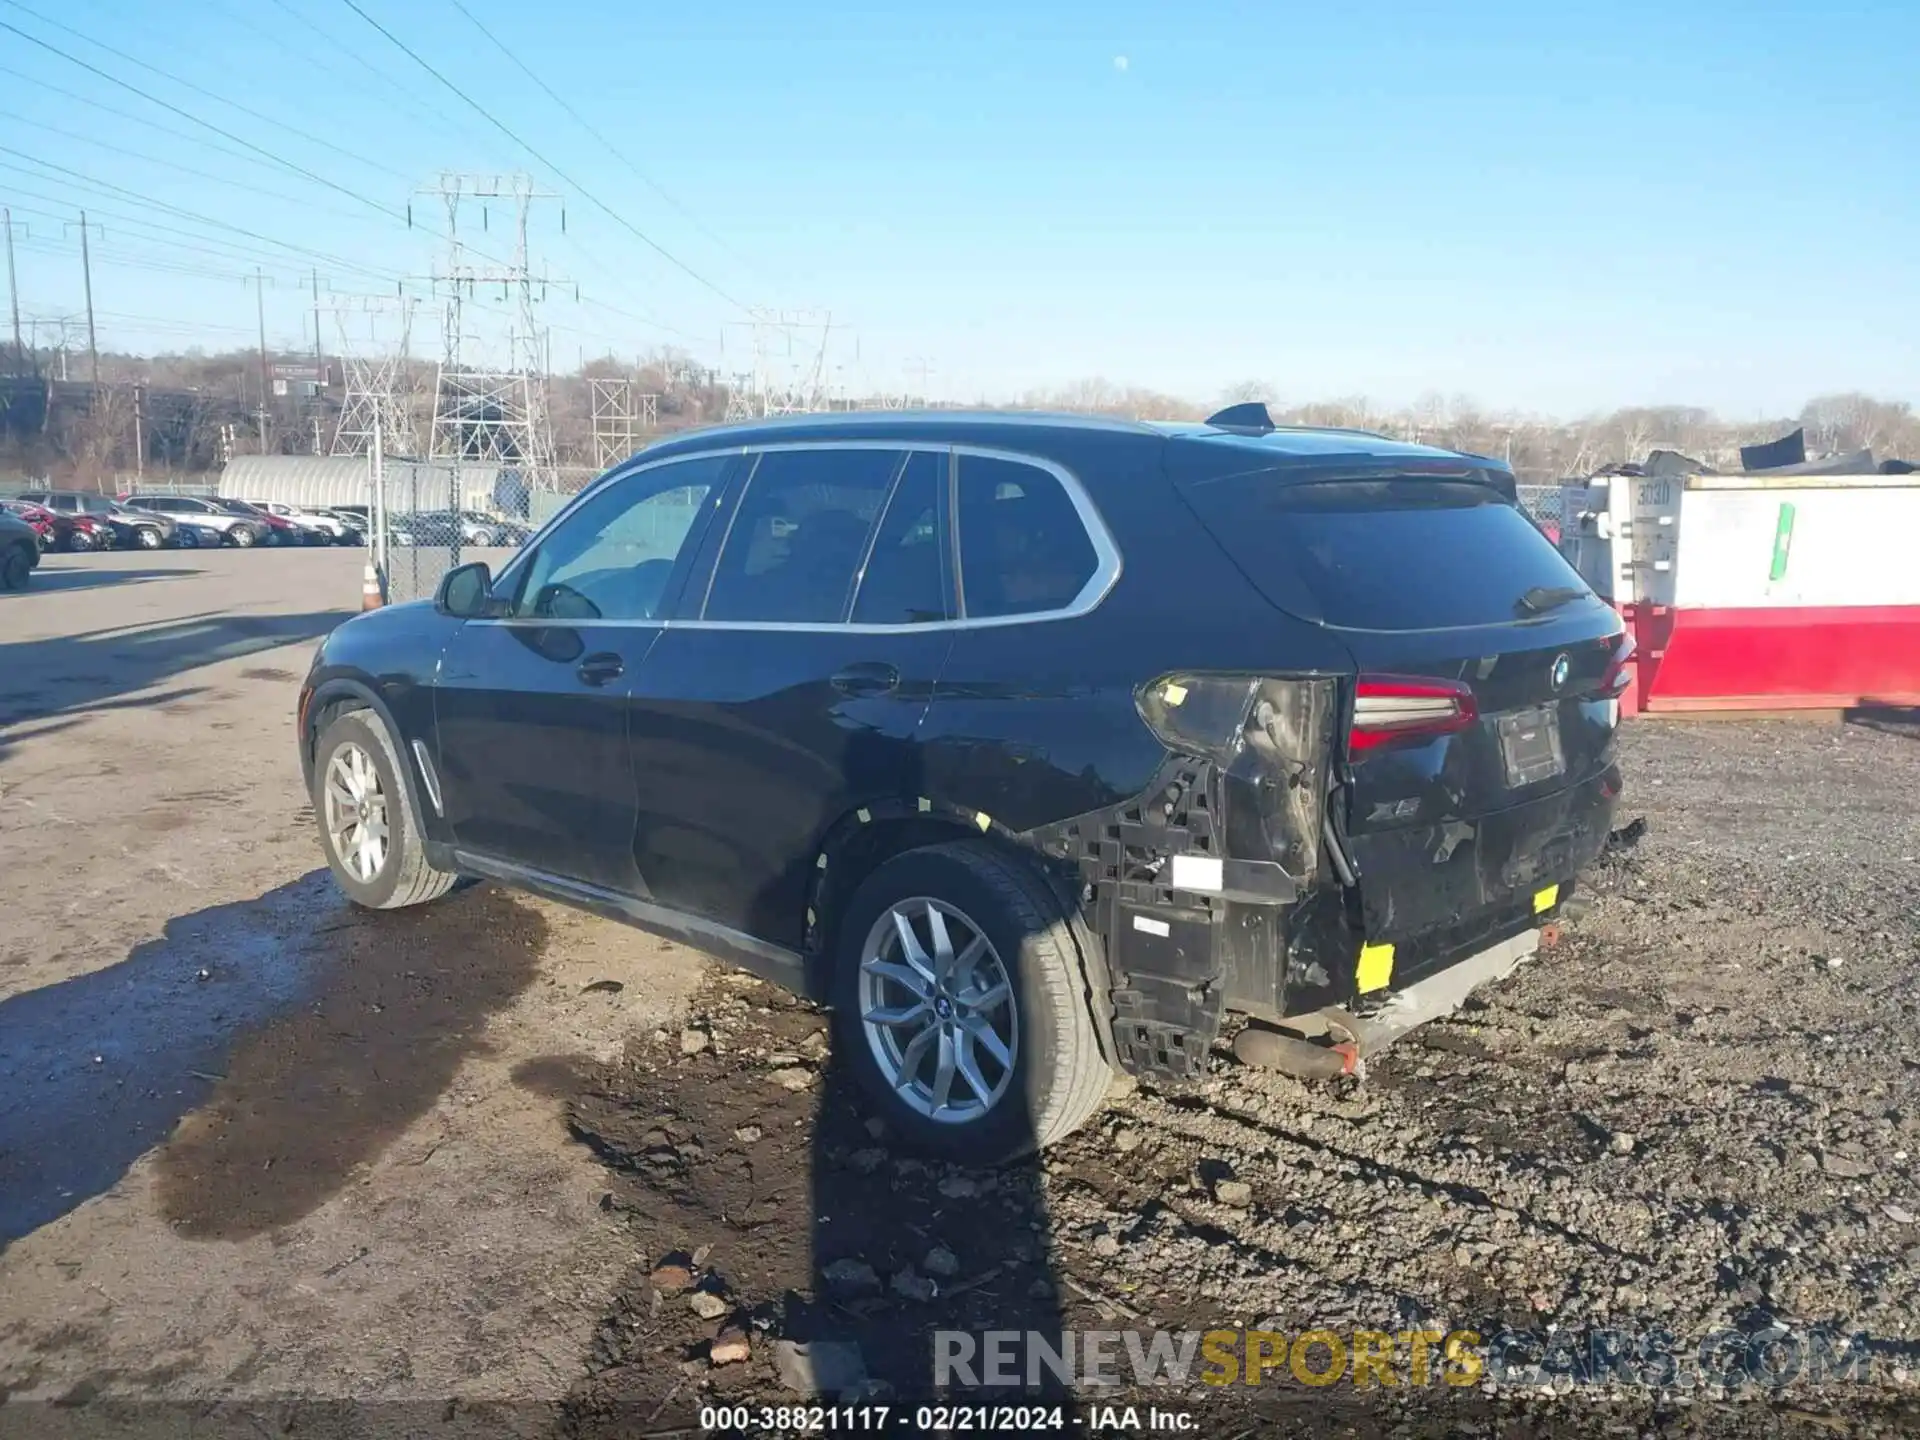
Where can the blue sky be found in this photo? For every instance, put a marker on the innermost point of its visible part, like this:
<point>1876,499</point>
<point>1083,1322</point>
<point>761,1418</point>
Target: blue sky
<point>1547,208</point>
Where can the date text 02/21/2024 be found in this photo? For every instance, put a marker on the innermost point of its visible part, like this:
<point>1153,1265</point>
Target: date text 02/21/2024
<point>982,1419</point>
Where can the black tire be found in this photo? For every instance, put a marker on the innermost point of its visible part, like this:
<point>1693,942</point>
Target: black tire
<point>148,538</point>
<point>404,877</point>
<point>15,566</point>
<point>1060,1073</point>
<point>242,537</point>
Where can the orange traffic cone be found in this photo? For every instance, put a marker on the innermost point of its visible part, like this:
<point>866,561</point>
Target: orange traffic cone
<point>370,596</point>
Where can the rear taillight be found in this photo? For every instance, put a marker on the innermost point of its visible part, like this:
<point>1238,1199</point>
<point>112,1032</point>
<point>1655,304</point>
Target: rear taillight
<point>1614,682</point>
<point>1389,708</point>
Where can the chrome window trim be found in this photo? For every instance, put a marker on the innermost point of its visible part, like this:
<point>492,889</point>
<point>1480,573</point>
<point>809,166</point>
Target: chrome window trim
<point>1107,569</point>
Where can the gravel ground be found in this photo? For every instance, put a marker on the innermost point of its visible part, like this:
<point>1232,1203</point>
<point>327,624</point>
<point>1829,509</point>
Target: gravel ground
<point>1696,1113</point>
<point>254,1145</point>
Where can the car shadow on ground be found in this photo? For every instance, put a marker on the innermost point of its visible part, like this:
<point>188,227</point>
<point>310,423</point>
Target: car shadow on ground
<point>1901,720</point>
<point>265,1048</point>
<point>57,577</point>
<point>41,679</point>
<point>791,1250</point>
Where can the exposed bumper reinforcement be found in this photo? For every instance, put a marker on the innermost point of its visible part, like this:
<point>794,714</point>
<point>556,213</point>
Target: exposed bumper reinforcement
<point>1439,994</point>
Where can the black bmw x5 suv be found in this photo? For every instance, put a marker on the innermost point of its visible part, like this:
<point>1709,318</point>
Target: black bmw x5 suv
<point>1037,746</point>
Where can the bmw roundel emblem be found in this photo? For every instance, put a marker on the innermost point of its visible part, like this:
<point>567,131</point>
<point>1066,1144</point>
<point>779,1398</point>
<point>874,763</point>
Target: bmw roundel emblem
<point>1562,668</point>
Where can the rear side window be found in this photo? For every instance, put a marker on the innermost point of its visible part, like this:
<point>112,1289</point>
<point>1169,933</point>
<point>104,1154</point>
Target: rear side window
<point>1390,554</point>
<point>1023,548</point>
<point>906,581</point>
<point>799,535</point>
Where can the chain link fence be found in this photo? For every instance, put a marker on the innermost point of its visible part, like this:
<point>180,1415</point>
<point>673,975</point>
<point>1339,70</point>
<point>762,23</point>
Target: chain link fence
<point>1546,506</point>
<point>430,516</point>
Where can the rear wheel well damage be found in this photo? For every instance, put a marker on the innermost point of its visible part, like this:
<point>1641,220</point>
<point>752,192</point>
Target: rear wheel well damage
<point>861,842</point>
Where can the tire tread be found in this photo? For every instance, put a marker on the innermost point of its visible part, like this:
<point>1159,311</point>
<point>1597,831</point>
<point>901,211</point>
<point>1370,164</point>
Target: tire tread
<point>417,882</point>
<point>1082,1072</point>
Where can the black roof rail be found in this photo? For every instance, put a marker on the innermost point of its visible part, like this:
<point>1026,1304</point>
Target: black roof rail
<point>1250,418</point>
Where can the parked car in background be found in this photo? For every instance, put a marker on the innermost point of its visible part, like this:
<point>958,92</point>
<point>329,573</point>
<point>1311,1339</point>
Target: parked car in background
<point>475,528</point>
<point>504,531</point>
<point>328,529</point>
<point>235,528</point>
<point>1040,747</point>
<point>132,527</point>
<point>48,528</point>
<point>279,531</point>
<point>353,524</point>
<point>63,530</point>
<point>19,550</point>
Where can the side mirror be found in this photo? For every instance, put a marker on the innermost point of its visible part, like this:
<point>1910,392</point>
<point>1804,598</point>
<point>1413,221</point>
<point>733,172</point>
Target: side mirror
<point>466,591</point>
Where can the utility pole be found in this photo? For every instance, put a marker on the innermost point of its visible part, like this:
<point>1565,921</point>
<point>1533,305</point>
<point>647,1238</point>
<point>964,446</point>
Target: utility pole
<point>266,373</point>
<point>318,360</point>
<point>139,430</point>
<point>86,275</point>
<point>13,286</point>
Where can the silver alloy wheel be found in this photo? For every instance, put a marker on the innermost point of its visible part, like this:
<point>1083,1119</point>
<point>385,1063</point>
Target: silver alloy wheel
<point>937,1007</point>
<point>146,538</point>
<point>356,813</point>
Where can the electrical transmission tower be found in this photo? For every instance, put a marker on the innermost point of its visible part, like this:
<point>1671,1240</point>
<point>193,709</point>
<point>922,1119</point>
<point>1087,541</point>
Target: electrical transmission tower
<point>789,374</point>
<point>379,392</point>
<point>492,413</point>
<point>614,436</point>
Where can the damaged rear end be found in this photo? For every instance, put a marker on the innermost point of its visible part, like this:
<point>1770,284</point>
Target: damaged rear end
<point>1347,853</point>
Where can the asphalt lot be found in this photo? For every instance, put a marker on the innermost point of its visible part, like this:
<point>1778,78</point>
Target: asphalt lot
<point>254,1144</point>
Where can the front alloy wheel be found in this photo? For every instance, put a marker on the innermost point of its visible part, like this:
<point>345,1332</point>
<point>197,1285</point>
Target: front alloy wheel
<point>937,1009</point>
<point>147,538</point>
<point>356,813</point>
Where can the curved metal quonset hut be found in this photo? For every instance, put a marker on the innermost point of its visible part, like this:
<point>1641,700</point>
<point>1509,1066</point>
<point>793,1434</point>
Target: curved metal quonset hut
<point>316,482</point>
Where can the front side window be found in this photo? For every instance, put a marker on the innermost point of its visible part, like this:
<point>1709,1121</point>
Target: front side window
<point>1023,547</point>
<point>800,534</point>
<point>612,558</point>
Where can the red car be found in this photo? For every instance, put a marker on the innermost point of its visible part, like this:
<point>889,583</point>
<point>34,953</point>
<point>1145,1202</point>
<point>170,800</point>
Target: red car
<point>58,531</point>
<point>280,531</point>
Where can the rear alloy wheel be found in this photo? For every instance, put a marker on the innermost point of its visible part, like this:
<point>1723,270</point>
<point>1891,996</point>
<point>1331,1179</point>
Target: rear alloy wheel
<point>15,566</point>
<point>242,536</point>
<point>960,1004</point>
<point>147,538</point>
<point>368,826</point>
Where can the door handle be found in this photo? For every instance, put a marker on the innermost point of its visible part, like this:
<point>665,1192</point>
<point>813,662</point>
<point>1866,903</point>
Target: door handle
<point>600,668</point>
<point>867,678</point>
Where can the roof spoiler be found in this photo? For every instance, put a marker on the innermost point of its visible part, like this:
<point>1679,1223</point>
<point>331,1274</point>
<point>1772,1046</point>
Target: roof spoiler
<point>1248,419</point>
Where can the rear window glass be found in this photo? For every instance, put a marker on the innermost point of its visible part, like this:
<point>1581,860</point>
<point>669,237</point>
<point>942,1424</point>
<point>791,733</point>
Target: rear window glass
<point>1395,554</point>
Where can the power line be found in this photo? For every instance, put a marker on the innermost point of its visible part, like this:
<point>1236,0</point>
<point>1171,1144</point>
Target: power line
<point>196,120</point>
<point>267,155</point>
<point>73,177</point>
<point>144,121</point>
<point>197,174</point>
<point>200,89</point>
<point>560,174</point>
<point>412,107</point>
<point>586,125</point>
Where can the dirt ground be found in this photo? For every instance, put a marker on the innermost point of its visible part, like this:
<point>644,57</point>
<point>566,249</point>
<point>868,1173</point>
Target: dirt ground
<point>254,1145</point>
<point>253,1142</point>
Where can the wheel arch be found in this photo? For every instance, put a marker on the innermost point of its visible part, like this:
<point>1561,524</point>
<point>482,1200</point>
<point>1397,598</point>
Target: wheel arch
<point>864,839</point>
<point>344,695</point>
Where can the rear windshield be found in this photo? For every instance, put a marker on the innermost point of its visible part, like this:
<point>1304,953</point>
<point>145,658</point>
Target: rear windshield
<point>1392,554</point>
